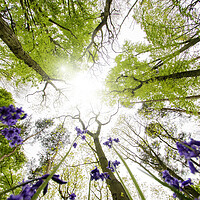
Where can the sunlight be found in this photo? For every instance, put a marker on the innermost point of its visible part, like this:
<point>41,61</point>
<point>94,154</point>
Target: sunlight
<point>85,89</point>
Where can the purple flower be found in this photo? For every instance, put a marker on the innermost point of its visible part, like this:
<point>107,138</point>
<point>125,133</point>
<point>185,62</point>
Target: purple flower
<point>188,150</point>
<point>78,130</point>
<point>9,115</point>
<point>72,196</point>
<point>13,135</point>
<point>81,132</point>
<point>75,145</point>
<point>28,191</point>
<point>95,175</point>
<point>109,142</point>
<point>57,180</point>
<point>15,197</point>
<point>116,140</point>
<point>186,183</point>
<point>16,140</point>
<point>113,165</point>
<point>175,182</point>
<point>83,137</point>
<point>54,178</point>
<point>26,194</point>
<point>116,163</point>
<point>192,168</point>
<point>110,166</point>
<point>194,142</point>
<point>24,116</point>
<point>170,180</point>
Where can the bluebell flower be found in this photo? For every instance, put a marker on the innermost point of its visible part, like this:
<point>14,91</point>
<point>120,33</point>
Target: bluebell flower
<point>175,182</point>
<point>110,166</point>
<point>83,137</point>
<point>186,183</point>
<point>188,150</point>
<point>116,163</point>
<point>170,180</point>
<point>9,116</point>
<point>116,140</point>
<point>78,130</point>
<point>75,145</point>
<point>194,142</point>
<point>54,178</point>
<point>109,142</point>
<point>15,197</point>
<point>16,140</point>
<point>72,196</point>
<point>28,191</point>
<point>95,175</point>
<point>113,165</point>
<point>192,167</point>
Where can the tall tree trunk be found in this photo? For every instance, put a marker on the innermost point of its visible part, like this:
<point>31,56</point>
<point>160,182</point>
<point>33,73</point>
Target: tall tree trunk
<point>116,188</point>
<point>179,110</point>
<point>158,100</point>
<point>10,39</point>
<point>179,75</point>
<point>189,43</point>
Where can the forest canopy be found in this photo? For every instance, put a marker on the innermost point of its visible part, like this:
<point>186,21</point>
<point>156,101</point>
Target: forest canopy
<point>63,138</point>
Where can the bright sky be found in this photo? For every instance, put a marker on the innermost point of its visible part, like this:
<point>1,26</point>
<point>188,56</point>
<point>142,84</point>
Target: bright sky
<point>84,88</point>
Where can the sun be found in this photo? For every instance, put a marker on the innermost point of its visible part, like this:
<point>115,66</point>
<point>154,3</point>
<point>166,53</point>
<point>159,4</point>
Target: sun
<point>85,89</point>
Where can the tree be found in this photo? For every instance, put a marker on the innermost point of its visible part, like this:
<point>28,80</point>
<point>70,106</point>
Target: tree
<point>163,67</point>
<point>115,187</point>
<point>155,149</point>
<point>38,36</point>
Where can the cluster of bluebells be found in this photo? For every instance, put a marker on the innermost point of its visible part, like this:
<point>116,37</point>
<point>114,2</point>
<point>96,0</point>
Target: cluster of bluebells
<point>28,191</point>
<point>113,165</point>
<point>110,141</point>
<point>189,150</point>
<point>96,175</point>
<point>9,116</point>
<point>179,185</point>
<point>80,133</point>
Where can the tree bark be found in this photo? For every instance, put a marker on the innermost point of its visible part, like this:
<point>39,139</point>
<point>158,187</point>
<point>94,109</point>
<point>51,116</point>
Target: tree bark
<point>159,100</point>
<point>10,39</point>
<point>178,110</point>
<point>179,75</point>
<point>116,188</point>
<point>191,42</point>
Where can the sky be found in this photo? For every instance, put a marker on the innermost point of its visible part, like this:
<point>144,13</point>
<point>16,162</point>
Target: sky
<point>82,91</point>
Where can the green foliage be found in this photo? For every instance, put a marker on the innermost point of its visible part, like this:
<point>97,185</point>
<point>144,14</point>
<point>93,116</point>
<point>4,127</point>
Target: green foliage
<point>142,72</point>
<point>5,98</point>
<point>10,173</point>
<point>52,33</point>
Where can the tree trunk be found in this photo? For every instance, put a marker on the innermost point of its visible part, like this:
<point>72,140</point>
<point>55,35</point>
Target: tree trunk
<point>116,188</point>
<point>159,100</point>
<point>179,75</point>
<point>10,39</point>
<point>191,42</point>
<point>179,110</point>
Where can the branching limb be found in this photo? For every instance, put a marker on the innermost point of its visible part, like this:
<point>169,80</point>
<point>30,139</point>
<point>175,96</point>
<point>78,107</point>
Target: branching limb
<point>103,22</point>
